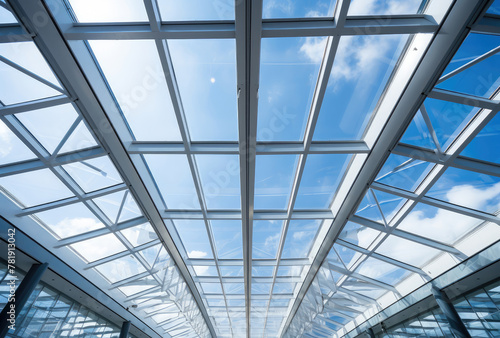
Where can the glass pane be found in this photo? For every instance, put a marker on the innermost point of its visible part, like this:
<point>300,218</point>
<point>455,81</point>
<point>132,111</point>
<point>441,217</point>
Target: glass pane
<point>288,74</point>
<point>35,187</point>
<point>121,268</point>
<point>142,90</point>
<point>382,271</point>
<point>360,73</point>
<point>187,10</point>
<point>206,271</point>
<point>93,174</point>
<point>220,180</point>
<point>297,9</point>
<point>140,234</point>
<point>206,74</point>
<point>274,176</point>
<point>228,240</point>
<point>299,238</point>
<point>12,149</point>
<point>403,172</point>
<point>469,189</point>
<point>266,238</point>
<point>6,16</point>
<point>418,134</point>
<point>448,119</point>
<point>390,204</point>
<point>348,256</point>
<point>70,220</point>
<point>262,271</point>
<point>407,251</point>
<point>483,78</point>
<point>173,178</point>
<point>81,138</point>
<point>385,7</point>
<point>480,147</point>
<point>358,234</point>
<point>99,247</point>
<point>494,8</point>
<point>369,208</point>
<point>231,271</point>
<point>438,224</point>
<point>194,236</point>
<point>41,124</point>
<point>109,10</point>
<point>321,177</point>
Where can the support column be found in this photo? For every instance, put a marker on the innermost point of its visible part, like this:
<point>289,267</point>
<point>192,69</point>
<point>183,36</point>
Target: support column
<point>370,333</point>
<point>125,328</point>
<point>22,294</point>
<point>456,325</point>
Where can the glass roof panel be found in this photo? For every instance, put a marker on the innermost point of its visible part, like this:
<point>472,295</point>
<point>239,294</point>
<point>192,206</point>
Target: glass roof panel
<point>139,234</point>
<point>407,251</point>
<point>70,220</point>
<point>40,124</point>
<point>94,174</point>
<point>6,16</point>
<point>382,271</point>
<point>480,79</point>
<point>150,254</point>
<point>418,134</point>
<point>194,237</point>
<point>109,10</point>
<point>438,224</point>
<point>272,9</point>
<point>348,256</point>
<point>321,177</point>
<point>12,149</point>
<point>190,10</point>
<point>262,271</point>
<point>494,8</point>
<point>274,176</point>
<point>360,73</point>
<point>359,235</point>
<point>299,238</point>
<point>290,271</point>
<point>13,84</point>
<point>370,209</point>
<point>231,271</point>
<point>121,268</point>
<point>35,187</point>
<point>220,180</point>
<point>266,238</point>
<point>206,74</point>
<point>205,271</point>
<point>80,138</point>
<point>141,91</point>
<point>228,239</point>
<point>480,147</point>
<point>99,247</point>
<point>403,172</point>
<point>288,74</point>
<point>468,189</point>
<point>385,7</point>
<point>173,178</point>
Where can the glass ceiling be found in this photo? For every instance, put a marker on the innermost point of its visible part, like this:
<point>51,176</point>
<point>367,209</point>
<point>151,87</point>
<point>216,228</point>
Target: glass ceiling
<point>197,163</point>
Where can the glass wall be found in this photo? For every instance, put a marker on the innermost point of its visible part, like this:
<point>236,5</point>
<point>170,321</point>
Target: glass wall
<point>48,313</point>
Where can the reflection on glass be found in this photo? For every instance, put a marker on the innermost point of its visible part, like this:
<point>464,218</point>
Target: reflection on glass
<point>299,238</point>
<point>109,10</point>
<point>206,74</point>
<point>81,138</point>
<point>35,187</point>
<point>187,10</point>
<point>228,239</point>
<point>94,174</point>
<point>220,180</point>
<point>358,234</point>
<point>321,177</point>
<point>348,256</point>
<point>418,134</point>
<point>141,91</point>
<point>70,220</point>
<point>173,178</point>
<point>272,9</point>
<point>194,237</point>
<point>288,74</point>
<point>99,247</point>
<point>382,271</point>
<point>438,224</point>
<point>266,238</point>
<point>385,7</point>
<point>121,268</point>
<point>274,176</point>
<point>361,70</point>
<point>481,79</point>
<point>140,234</point>
<point>494,8</point>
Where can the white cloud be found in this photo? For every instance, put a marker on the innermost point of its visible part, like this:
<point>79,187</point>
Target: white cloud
<point>365,7</point>
<point>299,235</point>
<point>5,140</point>
<point>272,241</point>
<point>74,226</point>
<point>471,197</point>
<point>314,48</point>
<point>99,247</point>
<point>197,254</point>
<point>284,6</point>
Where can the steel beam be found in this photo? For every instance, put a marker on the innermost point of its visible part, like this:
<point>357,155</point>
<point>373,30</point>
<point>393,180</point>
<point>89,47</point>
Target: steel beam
<point>124,330</point>
<point>456,325</point>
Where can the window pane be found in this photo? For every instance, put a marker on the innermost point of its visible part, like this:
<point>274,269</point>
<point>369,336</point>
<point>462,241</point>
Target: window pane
<point>299,238</point>
<point>407,251</point>
<point>109,10</point>
<point>12,149</point>
<point>288,74</point>
<point>99,247</point>
<point>94,174</point>
<point>121,268</point>
<point>480,147</point>
<point>194,237</point>
<point>385,7</point>
<point>403,172</point>
<point>297,9</point>
<point>266,238</point>
<point>187,10</point>
<point>206,73</point>
<point>140,234</point>
<point>228,240</point>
